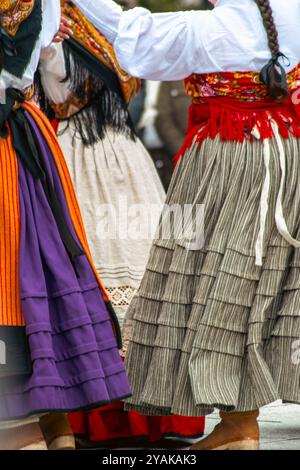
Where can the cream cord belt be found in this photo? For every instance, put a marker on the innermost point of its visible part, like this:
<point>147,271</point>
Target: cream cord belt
<point>264,202</point>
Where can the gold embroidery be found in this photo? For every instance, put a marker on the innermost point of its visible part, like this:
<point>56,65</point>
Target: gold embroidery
<point>13,13</point>
<point>243,86</point>
<point>68,109</point>
<point>93,41</point>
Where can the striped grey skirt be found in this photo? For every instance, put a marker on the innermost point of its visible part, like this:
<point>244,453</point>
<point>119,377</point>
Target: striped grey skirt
<point>214,327</point>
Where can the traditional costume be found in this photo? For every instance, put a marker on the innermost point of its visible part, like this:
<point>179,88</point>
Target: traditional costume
<point>216,324</point>
<point>59,333</point>
<point>89,93</point>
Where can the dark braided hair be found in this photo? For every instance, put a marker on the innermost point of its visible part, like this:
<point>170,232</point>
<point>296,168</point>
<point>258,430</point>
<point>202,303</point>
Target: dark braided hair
<point>273,74</point>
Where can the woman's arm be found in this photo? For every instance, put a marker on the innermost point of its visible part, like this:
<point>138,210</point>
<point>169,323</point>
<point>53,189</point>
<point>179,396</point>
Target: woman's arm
<point>104,15</point>
<point>162,46</point>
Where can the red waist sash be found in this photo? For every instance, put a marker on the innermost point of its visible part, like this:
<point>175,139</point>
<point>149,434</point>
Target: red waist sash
<point>235,120</point>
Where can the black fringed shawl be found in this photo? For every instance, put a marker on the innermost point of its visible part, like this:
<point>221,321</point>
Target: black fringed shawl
<point>106,106</point>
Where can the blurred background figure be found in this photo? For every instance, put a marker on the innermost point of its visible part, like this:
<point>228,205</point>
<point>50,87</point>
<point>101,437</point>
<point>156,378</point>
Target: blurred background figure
<point>160,111</point>
<point>171,124</point>
<point>159,114</point>
<point>147,129</point>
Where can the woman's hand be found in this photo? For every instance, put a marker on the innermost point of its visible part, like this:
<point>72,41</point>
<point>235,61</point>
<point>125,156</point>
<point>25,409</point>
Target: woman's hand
<point>64,31</point>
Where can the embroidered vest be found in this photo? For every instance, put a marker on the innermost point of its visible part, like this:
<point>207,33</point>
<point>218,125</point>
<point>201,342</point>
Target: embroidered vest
<point>21,24</point>
<point>13,13</point>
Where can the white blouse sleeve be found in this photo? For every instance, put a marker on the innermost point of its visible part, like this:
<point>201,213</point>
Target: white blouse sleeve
<point>159,46</point>
<point>53,72</point>
<point>51,20</point>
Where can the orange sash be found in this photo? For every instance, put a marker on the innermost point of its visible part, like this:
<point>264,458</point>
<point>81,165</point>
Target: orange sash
<point>10,305</point>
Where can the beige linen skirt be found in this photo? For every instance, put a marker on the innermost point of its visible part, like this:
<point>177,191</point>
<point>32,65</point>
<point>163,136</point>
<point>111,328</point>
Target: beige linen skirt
<point>120,197</point>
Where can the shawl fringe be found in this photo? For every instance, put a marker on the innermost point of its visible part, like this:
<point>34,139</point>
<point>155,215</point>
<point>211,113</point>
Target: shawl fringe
<point>97,90</point>
<point>233,121</point>
<point>105,107</point>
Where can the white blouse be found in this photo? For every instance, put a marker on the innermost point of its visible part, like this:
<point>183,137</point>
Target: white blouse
<point>171,46</point>
<point>53,72</point>
<point>51,20</point>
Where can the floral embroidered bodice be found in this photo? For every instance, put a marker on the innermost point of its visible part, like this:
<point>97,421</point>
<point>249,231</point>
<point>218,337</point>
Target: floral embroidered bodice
<point>242,86</point>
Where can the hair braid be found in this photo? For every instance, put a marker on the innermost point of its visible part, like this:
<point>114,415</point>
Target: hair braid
<point>273,74</point>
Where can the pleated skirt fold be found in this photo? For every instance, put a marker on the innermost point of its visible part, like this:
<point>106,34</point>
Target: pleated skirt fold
<point>211,328</point>
<point>55,307</point>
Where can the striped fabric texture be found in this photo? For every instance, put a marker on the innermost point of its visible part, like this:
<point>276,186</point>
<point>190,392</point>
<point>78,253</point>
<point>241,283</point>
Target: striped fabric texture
<point>210,327</point>
<point>10,306</point>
